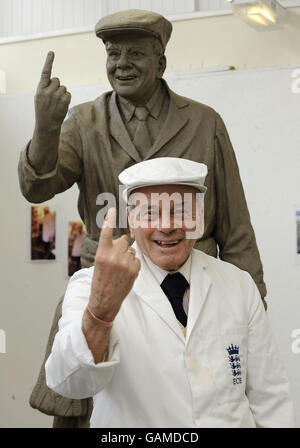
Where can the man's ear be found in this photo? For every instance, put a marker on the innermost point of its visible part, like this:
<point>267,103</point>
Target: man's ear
<point>162,64</point>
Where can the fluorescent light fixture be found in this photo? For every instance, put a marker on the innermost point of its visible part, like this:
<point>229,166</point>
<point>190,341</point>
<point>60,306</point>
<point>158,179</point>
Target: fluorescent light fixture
<point>262,15</point>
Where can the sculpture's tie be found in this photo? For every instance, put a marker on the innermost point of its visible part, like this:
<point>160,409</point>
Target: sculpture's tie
<point>174,286</point>
<point>142,140</point>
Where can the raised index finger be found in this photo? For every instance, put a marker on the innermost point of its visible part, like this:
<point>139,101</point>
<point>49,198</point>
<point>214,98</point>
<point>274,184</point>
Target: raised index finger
<point>106,235</point>
<point>46,72</point>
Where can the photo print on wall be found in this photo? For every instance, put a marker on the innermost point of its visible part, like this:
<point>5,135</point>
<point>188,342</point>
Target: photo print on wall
<point>76,234</point>
<point>43,226</point>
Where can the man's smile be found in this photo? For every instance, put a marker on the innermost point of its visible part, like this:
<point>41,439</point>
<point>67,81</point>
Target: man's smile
<point>167,244</point>
<point>126,77</point>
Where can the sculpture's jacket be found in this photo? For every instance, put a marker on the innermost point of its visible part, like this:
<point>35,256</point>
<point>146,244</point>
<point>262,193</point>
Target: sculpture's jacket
<point>225,372</point>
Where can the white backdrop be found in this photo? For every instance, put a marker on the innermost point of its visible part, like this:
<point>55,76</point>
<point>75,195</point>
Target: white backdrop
<point>262,115</point>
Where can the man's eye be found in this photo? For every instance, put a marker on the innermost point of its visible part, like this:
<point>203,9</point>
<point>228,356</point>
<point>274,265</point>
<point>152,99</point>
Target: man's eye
<point>178,213</point>
<point>136,53</point>
<point>151,214</point>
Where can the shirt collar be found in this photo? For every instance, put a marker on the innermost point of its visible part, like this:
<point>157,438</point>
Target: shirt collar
<point>160,273</point>
<point>154,105</point>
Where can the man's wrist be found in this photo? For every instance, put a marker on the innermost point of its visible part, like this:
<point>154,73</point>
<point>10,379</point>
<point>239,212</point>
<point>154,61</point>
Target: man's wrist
<point>96,319</point>
<point>42,129</point>
<point>101,312</point>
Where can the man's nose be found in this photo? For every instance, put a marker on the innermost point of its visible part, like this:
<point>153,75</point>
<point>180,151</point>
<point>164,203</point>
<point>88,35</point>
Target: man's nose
<point>166,232</point>
<point>123,61</point>
<point>167,225</point>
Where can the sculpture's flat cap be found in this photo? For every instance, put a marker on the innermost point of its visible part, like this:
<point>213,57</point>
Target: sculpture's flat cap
<point>135,21</point>
<point>163,171</point>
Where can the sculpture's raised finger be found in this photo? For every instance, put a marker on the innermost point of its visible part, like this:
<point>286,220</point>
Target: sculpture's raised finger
<point>47,69</point>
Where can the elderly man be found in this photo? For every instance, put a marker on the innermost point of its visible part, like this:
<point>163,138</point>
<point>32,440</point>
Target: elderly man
<point>140,119</point>
<point>161,334</point>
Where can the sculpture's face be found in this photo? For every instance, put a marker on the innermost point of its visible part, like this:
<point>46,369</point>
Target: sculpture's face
<point>133,67</point>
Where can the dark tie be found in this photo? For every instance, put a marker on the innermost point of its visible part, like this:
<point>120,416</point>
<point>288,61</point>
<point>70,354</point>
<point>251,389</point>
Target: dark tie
<point>174,286</point>
<point>142,140</point>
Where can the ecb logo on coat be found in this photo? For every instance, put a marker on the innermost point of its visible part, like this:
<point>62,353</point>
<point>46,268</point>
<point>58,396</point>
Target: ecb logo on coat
<point>235,363</point>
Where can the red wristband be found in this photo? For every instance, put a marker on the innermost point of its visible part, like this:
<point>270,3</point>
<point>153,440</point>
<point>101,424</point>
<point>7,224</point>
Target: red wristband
<point>96,319</point>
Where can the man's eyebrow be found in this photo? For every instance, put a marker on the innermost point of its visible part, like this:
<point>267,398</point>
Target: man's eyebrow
<point>137,47</point>
<point>179,204</point>
<point>145,207</point>
<point>112,45</point>
<point>188,203</point>
<point>134,46</point>
<point>149,207</point>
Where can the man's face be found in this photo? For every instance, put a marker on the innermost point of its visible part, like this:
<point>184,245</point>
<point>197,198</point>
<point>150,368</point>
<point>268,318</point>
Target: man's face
<point>133,68</point>
<point>160,226</point>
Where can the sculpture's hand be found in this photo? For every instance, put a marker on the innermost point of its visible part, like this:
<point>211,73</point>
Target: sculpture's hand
<point>116,269</point>
<point>51,99</point>
<point>51,106</point>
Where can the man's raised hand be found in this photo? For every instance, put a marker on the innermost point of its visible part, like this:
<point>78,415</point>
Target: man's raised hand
<point>51,99</point>
<point>116,268</point>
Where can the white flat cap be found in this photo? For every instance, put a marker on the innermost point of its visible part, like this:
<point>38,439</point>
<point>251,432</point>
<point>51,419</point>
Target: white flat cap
<point>163,171</point>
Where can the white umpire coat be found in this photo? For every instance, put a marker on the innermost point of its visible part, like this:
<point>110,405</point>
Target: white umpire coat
<point>226,372</point>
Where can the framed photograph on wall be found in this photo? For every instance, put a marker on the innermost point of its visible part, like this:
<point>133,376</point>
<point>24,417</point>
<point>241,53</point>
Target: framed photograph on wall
<point>76,234</point>
<point>43,229</point>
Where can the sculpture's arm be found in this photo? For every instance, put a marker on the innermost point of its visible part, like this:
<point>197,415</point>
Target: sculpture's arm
<point>51,162</point>
<point>38,187</point>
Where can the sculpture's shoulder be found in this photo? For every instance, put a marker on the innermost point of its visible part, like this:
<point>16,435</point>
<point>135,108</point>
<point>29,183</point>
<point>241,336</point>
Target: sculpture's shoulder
<point>192,106</point>
<point>90,110</point>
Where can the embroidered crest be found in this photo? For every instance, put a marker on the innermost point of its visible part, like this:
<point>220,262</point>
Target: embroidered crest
<point>235,363</point>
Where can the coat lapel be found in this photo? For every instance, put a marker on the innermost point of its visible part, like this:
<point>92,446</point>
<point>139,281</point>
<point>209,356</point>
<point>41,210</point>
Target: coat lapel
<point>176,120</point>
<point>200,282</point>
<point>149,291</point>
<point>154,297</point>
<point>119,131</point>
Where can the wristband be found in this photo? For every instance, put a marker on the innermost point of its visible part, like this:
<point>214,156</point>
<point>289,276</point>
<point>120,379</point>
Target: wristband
<point>96,319</point>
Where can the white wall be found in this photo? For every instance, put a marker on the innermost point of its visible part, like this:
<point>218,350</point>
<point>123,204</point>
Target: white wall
<point>195,44</point>
<point>30,292</point>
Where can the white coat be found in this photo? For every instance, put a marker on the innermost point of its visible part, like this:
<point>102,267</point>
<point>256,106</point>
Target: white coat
<point>156,377</point>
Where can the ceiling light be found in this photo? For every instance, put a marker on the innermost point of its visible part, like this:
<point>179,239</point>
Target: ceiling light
<point>262,15</point>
